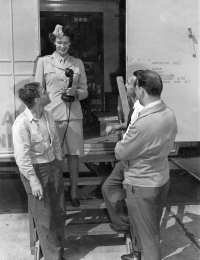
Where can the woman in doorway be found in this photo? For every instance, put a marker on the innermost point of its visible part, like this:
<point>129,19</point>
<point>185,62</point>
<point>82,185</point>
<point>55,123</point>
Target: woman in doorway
<point>53,73</point>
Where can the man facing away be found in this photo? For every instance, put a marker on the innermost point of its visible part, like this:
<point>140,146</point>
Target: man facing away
<point>145,148</point>
<point>112,189</point>
<point>37,153</point>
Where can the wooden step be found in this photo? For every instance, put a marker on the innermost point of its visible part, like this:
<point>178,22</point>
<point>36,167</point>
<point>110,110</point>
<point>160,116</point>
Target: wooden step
<point>98,157</point>
<point>86,204</point>
<point>100,146</point>
<point>90,229</point>
<point>9,169</point>
<point>94,158</point>
<point>87,180</point>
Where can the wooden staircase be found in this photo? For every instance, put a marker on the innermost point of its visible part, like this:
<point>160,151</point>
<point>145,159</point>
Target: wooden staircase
<point>85,229</point>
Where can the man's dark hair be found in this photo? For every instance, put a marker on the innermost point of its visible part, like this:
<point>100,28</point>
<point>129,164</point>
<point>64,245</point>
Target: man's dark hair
<point>28,93</point>
<point>150,81</point>
<point>67,31</point>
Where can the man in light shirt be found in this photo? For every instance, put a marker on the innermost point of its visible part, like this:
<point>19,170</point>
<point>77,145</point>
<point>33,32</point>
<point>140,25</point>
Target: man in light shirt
<point>37,153</point>
<point>112,189</point>
<point>146,147</point>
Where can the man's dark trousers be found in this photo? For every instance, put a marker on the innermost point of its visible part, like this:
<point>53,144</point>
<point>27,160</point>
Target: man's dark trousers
<point>49,213</point>
<point>145,207</point>
<point>114,195</point>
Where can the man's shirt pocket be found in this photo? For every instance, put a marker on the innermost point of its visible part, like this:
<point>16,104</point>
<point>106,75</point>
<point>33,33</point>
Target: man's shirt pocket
<point>36,143</point>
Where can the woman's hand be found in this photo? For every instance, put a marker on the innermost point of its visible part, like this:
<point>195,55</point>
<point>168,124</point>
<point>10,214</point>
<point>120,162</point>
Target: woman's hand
<point>71,91</point>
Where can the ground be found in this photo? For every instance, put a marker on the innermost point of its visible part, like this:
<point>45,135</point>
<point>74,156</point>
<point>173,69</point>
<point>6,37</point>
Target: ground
<point>180,226</point>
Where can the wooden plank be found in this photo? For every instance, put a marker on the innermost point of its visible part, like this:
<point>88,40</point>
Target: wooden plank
<point>89,188</point>
<point>86,204</point>
<point>100,139</point>
<point>13,169</point>
<point>123,97</point>
<point>106,116</point>
<point>121,118</point>
<point>104,148</point>
<point>190,165</point>
<point>90,229</point>
<point>16,210</point>
<point>98,158</point>
<point>99,151</point>
<point>83,195</point>
<point>94,156</point>
<point>87,180</point>
<point>175,149</point>
<point>120,111</point>
<point>82,167</point>
<point>105,145</point>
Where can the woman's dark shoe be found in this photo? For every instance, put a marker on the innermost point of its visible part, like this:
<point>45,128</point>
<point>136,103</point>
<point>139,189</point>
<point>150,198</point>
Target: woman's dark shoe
<point>132,256</point>
<point>75,202</point>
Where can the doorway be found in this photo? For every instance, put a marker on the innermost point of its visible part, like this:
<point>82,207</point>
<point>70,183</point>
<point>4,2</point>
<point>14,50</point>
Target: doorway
<point>88,46</point>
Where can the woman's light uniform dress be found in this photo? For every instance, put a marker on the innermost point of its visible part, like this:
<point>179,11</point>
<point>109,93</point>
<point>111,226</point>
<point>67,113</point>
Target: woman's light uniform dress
<point>51,75</point>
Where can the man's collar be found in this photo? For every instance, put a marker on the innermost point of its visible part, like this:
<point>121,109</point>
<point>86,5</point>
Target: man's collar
<point>153,103</point>
<point>137,104</point>
<point>30,116</point>
<point>157,106</point>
